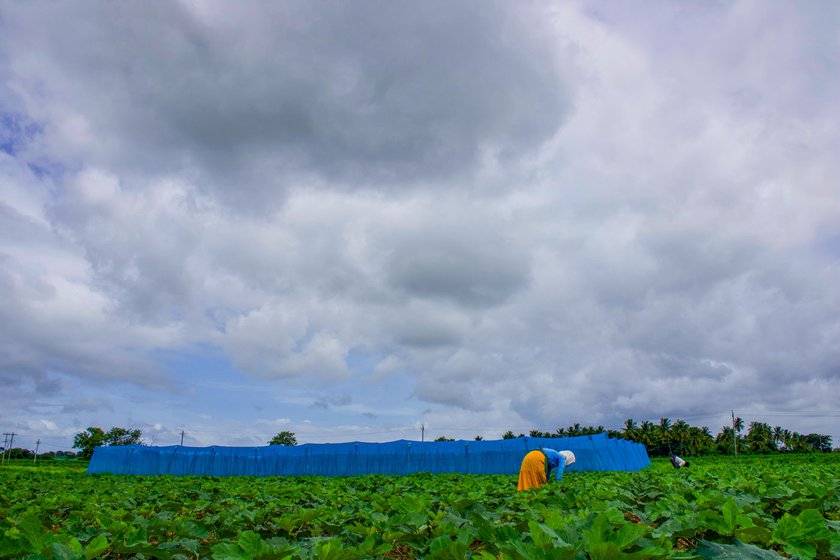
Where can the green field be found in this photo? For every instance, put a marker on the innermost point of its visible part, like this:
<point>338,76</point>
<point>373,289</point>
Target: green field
<point>752,507</point>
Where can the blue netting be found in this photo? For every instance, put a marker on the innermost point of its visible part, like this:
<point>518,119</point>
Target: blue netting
<point>593,453</point>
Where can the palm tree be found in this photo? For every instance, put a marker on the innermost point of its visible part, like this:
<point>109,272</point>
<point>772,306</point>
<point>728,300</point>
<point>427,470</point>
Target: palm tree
<point>629,429</point>
<point>778,435</point>
<point>706,438</point>
<point>680,434</point>
<point>663,432</point>
<point>724,439</point>
<point>646,433</point>
<point>786,439</point>
<point>760,438</point>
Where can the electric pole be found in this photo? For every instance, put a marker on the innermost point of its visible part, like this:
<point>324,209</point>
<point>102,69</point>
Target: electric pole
<point>422,432</point>
<point>37,445</point>
<point>5,446</point>
<point>11,441</point>
<point>182,438</point>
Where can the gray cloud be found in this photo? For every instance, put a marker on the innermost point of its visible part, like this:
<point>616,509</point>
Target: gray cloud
<point>464,262</point>
<point>539,215</point>
<point>386,100</point>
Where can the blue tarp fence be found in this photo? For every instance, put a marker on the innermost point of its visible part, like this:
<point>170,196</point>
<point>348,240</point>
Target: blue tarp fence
<point>592,453</point>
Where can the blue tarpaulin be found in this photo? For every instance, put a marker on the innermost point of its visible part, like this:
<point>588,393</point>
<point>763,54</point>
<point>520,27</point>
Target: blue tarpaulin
<point>593,453</point>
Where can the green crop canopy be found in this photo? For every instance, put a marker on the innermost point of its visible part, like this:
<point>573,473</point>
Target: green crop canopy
<point>593,453</point>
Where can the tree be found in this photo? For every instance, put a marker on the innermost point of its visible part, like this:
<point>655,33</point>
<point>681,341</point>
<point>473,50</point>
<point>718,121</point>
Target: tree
<point>680,434</point>
<point>818,442</point>
<point>88,440</point>
<point>479,438</point>
<point>724,440</point>
<point>778,436</point>
<point>629,429</point>
<point>510,435</point>
<point>122,436</point>
<point>759,439</point>
<point>19,453</point>
<point>284,438</point>
<point>94,437</point>
<point>645,434</point>
<point>443,438</point>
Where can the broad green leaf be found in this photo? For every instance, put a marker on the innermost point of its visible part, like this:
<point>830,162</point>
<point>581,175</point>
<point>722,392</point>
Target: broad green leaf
<point>96,546</point>
<point>229,551</point>
<point>754,534</point>
<point>331,549</point>
<point>250,542</point>
<point>730,515</point>
<point>737,550</point>
<point>443,548</point>
<point>544,537</point>
<point>60,551</point>
<point>628,535</point>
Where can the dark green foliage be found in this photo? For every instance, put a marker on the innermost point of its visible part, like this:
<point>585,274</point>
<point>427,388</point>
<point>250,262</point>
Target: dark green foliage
<point>680,438</point>
<point>93,437</point>
<point>757,506</point>
<point>284,438</point>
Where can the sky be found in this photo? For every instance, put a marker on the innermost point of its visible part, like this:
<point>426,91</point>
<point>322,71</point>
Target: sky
<point>381,220</point>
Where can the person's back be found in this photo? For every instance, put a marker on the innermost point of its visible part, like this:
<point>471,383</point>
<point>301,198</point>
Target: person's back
<point>678,463</point>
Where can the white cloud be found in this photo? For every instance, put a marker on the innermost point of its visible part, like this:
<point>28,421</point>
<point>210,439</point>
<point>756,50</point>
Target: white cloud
<point>607,212</point>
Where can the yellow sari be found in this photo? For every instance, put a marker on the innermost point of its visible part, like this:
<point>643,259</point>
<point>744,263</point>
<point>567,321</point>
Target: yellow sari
<point>532,472</point>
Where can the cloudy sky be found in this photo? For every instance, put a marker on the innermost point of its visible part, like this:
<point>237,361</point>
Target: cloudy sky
<point>349,220</point>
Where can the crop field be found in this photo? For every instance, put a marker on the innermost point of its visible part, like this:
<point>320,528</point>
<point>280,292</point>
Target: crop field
<point>752,507</point>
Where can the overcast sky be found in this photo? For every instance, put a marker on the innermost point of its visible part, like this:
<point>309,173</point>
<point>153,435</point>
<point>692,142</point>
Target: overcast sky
<point>351,219</point>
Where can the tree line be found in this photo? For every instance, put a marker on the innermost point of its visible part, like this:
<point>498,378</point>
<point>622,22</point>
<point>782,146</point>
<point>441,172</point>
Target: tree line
<point>94,437</point>
<point>666,437</point>
<point>661,439</point>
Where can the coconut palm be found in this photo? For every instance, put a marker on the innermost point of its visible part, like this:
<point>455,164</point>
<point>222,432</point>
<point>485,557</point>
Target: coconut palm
<point>629,429</point>
<point>647,434</point>
<point>663,435</point>
<point>760,438</point>
<point>680,434</point>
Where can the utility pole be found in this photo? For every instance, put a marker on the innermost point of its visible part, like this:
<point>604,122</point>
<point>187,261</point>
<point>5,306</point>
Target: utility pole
<point>182,438</point>
<point>734,433</point>
<point>37,445</point>
<point>8,441</point>
<point>422,432</point>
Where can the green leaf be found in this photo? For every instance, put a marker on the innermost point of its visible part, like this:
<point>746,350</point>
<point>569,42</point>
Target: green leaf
<point>331,549</point>
<point>74,545</point>
<point>60,551</point>
<point>604,551</point>
<point>444,548</point>
<point>250,542</point>
<point>730,516</point>
<point>229,551</point>
<point>754,534</point>
<point>737,550</point>
<point>96,546</point>
<point>803,534</point>
<point>544,537</point>
<point>628,535</point>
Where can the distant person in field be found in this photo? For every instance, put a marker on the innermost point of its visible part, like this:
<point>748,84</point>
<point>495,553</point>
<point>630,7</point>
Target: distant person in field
<point>538,464</point>
<point>678,463</point>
